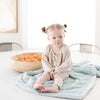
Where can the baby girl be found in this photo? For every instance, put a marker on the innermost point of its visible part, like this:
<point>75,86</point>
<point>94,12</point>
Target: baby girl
<point>56,59</point>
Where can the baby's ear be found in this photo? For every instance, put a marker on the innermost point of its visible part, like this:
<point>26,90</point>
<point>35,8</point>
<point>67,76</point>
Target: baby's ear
<point>64,35</point>
<point>48,38</point>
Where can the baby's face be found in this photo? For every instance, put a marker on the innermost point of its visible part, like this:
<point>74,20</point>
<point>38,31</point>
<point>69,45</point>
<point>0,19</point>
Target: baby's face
<point>56,37</point>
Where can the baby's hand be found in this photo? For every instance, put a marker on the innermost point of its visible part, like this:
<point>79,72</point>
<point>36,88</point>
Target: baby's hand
<point>52,74</point>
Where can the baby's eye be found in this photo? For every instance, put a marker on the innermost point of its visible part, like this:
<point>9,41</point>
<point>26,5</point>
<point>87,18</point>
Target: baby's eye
<point>54,37</point>
<point>60,36</point>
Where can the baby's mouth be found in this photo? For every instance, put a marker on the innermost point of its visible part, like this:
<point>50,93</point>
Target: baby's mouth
<point>58,42</point>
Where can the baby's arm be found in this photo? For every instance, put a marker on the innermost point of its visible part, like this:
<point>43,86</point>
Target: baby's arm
<point>47,67</point>
<point>66,65</point>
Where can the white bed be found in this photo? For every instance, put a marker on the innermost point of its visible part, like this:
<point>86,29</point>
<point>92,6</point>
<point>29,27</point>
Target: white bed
<point>8,76</point>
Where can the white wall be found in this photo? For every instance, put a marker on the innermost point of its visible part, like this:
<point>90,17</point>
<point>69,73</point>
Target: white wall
<point>21,36</point>
<point>25,23</point>
<point>15,37</point>
<point>97,36</point>
<point>80,20</point>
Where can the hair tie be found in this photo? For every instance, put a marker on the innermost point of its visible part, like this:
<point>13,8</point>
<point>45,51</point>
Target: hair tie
<point>44,29</point>
<point>65,26</point>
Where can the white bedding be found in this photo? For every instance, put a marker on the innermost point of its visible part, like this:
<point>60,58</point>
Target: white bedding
<point>8,76</point>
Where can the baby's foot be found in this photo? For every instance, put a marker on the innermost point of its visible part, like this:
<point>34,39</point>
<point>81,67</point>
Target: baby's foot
<point>38,86</point>
<point>50,89</point>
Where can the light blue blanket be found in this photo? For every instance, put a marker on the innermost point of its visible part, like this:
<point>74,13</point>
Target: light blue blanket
<point>77,86</point>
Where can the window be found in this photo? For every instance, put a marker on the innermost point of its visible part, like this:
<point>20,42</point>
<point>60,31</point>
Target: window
<point>79,15</point>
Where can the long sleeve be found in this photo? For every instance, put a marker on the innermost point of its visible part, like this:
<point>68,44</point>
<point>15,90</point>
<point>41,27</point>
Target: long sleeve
<point>66,64</point>
<point>47,67</point>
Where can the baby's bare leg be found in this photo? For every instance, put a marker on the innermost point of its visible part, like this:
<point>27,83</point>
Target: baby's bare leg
<point>45,77</point>
<point>58,81</point>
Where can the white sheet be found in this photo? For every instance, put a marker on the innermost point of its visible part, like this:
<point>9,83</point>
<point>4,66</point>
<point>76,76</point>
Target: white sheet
<point>9,90</point>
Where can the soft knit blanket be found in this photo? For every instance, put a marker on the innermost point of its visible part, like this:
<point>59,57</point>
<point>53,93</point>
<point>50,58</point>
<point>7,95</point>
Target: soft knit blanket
<point>77,86</point>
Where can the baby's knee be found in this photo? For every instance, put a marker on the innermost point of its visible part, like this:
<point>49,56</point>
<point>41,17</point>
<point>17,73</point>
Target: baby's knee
<point>46,75</point>
<point>58,76</point>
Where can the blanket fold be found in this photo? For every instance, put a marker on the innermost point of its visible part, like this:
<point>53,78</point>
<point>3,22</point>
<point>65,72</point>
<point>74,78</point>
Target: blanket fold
<point>81,81</point>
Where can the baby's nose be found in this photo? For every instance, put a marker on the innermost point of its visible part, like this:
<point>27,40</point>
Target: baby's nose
<point>57,39</point>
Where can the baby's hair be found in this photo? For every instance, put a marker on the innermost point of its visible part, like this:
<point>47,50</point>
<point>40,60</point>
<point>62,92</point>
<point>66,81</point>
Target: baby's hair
<point>54,26</point>
<point>44,29</point>
<point>65,26</point>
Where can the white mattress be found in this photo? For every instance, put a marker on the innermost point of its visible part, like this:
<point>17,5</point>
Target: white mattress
<point>8,76</point>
